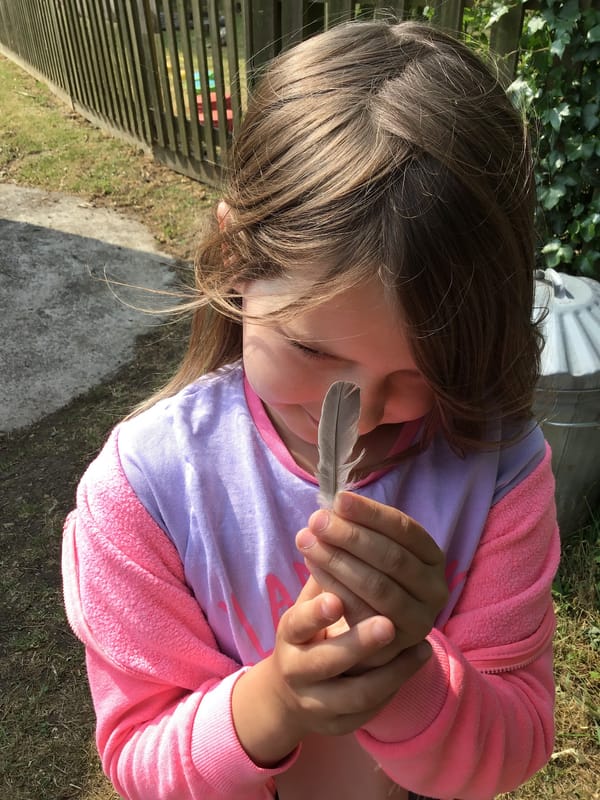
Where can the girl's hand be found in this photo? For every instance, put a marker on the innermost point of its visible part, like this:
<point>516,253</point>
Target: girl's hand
<point>377,560</point>
<point>304,687</point>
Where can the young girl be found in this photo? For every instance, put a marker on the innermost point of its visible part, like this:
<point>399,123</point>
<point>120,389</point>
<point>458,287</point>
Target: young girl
<point>240,641</point>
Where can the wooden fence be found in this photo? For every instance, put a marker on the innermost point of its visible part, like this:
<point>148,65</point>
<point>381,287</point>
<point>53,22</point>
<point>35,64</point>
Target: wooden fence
<point>171,75</point>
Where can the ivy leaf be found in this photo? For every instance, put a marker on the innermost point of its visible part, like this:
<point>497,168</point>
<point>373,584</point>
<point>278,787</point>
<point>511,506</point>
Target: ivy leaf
<point>551,247</point>
<point>593,35</point>
<point>590,54</point>
<point>555,116</point>
<point>558,253</point>
<point>520,93</point>
<point>552,196</point>
<point>557,48</point>
<point>551,258</point>
<point>535,24</point>
<point>570,10</point>
<point>587,263</point>
<point>498,11</point>
<point>578,150</point>
<point>588,231</point>
<point>566,253</point>
<point>556,160</point>
<point>590,116</point>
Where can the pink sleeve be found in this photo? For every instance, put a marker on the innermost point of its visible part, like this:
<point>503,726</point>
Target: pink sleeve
<point>478,718</point>
<point>160,686</point>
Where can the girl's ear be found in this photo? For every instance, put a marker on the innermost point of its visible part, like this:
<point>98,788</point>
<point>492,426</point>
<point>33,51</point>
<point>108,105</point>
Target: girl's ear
<point>223,214</point>
<point>224,218</point>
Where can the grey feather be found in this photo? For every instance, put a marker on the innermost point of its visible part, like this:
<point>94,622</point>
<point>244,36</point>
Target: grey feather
<point>337,437</point>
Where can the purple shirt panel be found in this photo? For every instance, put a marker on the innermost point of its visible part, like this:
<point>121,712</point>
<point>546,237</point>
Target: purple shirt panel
<point>212,472</point>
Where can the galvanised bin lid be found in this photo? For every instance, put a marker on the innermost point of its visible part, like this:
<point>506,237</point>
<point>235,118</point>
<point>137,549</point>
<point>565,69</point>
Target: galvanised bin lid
<point>571,330</point>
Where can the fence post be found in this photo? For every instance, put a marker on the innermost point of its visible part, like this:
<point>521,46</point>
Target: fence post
<point>62,49</point>
<point>292,24</point>
<point>263,34</point>
<point>448,15</point>
<point>504,41</point>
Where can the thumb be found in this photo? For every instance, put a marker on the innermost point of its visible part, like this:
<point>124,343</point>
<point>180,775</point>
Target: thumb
<point>310,590</point>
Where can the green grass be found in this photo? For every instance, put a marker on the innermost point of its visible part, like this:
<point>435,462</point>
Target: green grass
<point>44,145</point>
<point>46,720</point>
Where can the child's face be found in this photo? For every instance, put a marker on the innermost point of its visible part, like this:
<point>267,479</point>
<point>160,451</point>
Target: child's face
<point>356,336</point>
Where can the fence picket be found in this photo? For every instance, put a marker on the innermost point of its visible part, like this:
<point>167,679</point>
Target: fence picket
<point>235,63</point>
<point>62,76</point>
<point>208,133</point>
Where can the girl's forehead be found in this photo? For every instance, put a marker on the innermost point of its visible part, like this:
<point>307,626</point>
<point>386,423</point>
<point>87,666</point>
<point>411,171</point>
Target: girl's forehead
<point>363,305</point>
<point>278,293</point>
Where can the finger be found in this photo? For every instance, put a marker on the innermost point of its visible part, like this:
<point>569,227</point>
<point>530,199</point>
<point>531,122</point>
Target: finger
<point>306,619</point>
<point>350,696</point>
<point>309,591</point>
<point>390,522</point>
<point>413,619</point>
<point>380,683</point>
<point>360,557</point>
<point>331,657</point>
<point>355,609</point>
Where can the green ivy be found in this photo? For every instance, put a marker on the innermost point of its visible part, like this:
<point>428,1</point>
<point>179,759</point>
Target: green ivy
<point>558,82</point>
<point>557,85</point>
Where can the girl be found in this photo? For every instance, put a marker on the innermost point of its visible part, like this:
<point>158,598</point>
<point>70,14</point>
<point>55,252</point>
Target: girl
<point>241,642</point>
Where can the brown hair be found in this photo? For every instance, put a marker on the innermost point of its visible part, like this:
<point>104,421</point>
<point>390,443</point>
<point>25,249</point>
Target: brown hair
<point>387,149</point>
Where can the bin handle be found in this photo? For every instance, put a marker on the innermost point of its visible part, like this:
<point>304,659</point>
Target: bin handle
<point>571,424</point>
<point>555,278</point>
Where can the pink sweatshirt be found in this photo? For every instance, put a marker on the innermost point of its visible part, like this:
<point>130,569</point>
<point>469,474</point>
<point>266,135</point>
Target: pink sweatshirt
<point>171,616</point>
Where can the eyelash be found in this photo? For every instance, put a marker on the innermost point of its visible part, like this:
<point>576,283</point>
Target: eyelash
<point>309,352</point>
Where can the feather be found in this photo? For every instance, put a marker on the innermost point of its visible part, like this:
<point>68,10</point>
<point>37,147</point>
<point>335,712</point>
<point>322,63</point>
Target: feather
<point>337,437</point>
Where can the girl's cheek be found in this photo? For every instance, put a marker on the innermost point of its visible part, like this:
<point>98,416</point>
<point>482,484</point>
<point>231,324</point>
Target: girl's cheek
<point>415,402</point>
<point>275,380</point>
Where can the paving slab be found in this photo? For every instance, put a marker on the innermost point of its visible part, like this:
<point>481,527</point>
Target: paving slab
<point>66,323</point>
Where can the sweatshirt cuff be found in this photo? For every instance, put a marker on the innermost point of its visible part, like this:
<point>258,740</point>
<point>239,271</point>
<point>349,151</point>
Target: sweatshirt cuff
<point>418,702</point>
<point>216,750</point>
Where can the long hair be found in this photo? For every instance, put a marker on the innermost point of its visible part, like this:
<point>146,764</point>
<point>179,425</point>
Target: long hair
<point>389,150</point>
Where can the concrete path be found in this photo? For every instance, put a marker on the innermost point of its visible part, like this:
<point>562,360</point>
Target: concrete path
<point>64,327</point>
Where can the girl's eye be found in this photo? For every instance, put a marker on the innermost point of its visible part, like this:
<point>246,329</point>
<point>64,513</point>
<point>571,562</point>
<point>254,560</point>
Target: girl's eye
<point>310,352</point>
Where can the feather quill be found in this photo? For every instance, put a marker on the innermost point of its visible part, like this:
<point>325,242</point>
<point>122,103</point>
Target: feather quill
<point>337,437</point>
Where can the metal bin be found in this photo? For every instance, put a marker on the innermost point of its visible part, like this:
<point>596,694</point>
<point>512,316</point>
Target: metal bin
<point>567,399</point>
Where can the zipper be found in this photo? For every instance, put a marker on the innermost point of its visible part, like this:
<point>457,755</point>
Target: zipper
<point>519,654</point>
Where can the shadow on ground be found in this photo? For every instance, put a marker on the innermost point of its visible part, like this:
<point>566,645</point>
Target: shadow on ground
<point>69,315</point>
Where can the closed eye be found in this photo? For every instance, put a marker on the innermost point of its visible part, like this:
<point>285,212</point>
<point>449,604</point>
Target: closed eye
<point>309,352</point>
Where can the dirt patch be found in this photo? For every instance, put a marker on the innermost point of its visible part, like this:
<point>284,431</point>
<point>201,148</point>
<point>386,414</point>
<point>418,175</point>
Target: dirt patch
<point>46,727</point>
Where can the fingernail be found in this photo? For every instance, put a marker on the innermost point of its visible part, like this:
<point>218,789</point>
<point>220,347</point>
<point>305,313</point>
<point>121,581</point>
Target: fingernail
<point>319,520</point>
<point>328,609</point>
<point>305,539</point>
<point>383,631</point>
